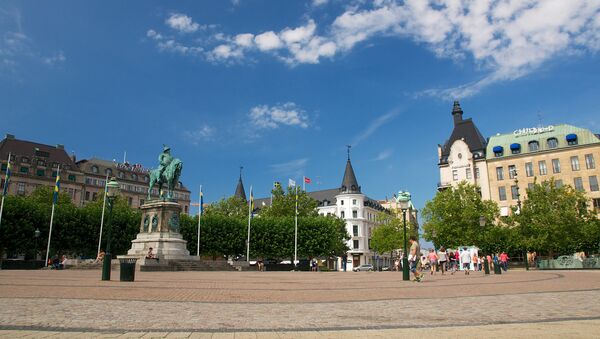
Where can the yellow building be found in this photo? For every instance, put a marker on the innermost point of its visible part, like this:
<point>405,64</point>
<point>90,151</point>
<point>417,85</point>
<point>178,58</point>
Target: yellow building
<point>563,152</point>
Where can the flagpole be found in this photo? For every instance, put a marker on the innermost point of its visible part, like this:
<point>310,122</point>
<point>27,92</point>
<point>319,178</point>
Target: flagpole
<point>199,216</point>
<point>102,219</point>
<point>52,217</point>
<point>304,183</point>
<point>249,215</point>
<point>296,231</point>
<point>6,182</point>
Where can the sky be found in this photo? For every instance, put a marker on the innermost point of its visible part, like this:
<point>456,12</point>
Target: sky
<point>281,87</point>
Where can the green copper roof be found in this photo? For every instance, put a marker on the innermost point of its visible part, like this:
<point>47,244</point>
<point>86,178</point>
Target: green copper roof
<point>524,136</point>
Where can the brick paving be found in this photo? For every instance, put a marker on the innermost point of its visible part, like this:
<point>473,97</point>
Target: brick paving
<point>73,303</point>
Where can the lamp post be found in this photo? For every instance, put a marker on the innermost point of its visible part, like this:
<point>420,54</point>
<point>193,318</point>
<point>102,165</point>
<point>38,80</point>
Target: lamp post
<point>486,264</point>
<point>112,190</point>
<point>36,234</point>
<point>404,201</point>
<point>524,251</point>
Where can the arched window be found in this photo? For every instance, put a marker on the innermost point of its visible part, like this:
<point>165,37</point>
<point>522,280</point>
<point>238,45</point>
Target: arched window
<point>121,175</point>
<point>94,169</point>
<point>108,172</point>
<point>134,176</point>
<point>552,142</point>
<point>146,178</point>
<point>533,146</point>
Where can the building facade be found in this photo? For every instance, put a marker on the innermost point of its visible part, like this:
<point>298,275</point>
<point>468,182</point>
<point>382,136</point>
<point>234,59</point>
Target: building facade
<point>565,153</point>
<point>462,157</point>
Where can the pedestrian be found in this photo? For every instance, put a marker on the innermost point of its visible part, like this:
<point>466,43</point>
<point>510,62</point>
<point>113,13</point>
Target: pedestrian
<point>453,259</point>
<point>433,261</point>
<point>475,261</point>
<point>413,258</point>
<point>397,265</point>
<point>465,257</point>
<point>504,261</point>
<point>490,263</point>
<point>442,259</point>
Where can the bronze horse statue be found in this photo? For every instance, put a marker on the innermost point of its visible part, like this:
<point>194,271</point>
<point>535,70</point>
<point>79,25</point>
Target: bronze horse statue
<point>170,176</point>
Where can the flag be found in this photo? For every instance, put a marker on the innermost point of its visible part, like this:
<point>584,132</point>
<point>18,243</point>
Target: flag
<point>201,202</point>
<point>57,185</point>
<point>307,180</point>
<point>6,178</point>
<point>296,200</point>
<point>291,183</point>
<point>251,202</point>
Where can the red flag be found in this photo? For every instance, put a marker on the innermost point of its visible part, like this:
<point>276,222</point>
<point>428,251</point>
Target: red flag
<point>307,180</point>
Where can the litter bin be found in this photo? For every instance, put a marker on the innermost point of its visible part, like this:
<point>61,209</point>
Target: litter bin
<point>497,268</point>
<point>127,269</point>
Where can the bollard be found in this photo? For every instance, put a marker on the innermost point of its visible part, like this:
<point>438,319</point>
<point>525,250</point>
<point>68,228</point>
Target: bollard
<point>486,266</point>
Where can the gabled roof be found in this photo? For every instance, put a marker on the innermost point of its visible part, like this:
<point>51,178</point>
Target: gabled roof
<point>29,149</point>
<point>464,130</point>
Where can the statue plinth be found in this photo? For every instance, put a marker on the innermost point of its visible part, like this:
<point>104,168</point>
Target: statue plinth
<point>159,229</point>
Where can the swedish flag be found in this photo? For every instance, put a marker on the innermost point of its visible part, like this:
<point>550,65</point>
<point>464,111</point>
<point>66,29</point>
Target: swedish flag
<point>57,186</point>
<point>201,202</point>
<point>6,179</point>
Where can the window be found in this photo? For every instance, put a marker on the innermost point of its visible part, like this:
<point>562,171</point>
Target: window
<point>342,215</point>
<point>40,173</point>
<point>20,187</point>
<point>555,166</point>
<point>41,163</point>
<point>502,193</point>
<point>146,178</point>
<point>94,194</point>
<point>477,176</point>
<point>512,171</point>
<point>543,168</point>
<point>575,163</point>
<point>130,201</point>
<point>72,177</point>
<point>121,175</point>
<point>558,183</point>
<point>596,204</point>
<point>54,174</point>
<point>578,183</point>
<point>342,202</point>
<point>25,160</point>
<point>3,167</point>
<point>571,139</point>
<point>354,214</point>
<point>514,192</point>
<point>353,201</point>
<point>533,146</point>
<point>355,244</point>
<point>593,183</point>
<point>134,177</point>
<point>108,172</point>
<point>529,169</point>
<point>94,169</point>
<point>87,196</point>
<point>24,169</point>
<point>552,143</point>
<point>500,173</point>
<point>589,161</point>
<point>355,230</point>
<point>468,173</point>
<point>454,175</point>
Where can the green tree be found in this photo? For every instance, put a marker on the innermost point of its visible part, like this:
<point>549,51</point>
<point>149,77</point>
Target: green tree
<point>452,217</point>
<point>556,220</point>
<point>284,204</point>
<point>389,235</point>
<point>235,207</point>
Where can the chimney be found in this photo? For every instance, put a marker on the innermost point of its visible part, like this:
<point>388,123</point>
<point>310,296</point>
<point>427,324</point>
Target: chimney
<point>73,157</point>
<point>60,146</point>
<point>457,113</point>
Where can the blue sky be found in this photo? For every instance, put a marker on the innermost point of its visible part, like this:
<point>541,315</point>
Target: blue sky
<point>280,87</point>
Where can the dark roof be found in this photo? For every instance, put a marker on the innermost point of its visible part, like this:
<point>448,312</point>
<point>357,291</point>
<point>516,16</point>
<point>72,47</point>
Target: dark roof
<point>239,190</point>
<point>349,182</point>
<point>321,197</point>
<point>29,149</point>
<point>465,130</point>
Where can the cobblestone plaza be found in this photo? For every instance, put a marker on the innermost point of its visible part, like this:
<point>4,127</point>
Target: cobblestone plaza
<point>76,303</point>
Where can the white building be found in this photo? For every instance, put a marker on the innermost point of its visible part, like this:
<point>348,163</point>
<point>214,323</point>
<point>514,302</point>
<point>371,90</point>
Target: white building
<point>462,157</point>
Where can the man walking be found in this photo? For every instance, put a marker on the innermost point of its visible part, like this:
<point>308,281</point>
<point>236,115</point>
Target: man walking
<point>413,258</point>
<point>465,257</point>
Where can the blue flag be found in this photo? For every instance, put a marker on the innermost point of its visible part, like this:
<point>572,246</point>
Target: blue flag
<point>57,186</point>
<point>6,179</point>
<point>201,202</point>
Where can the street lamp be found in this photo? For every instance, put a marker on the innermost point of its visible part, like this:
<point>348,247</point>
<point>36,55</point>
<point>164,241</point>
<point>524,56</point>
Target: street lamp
<point>486,264</point>
<point>112,190</point>
<point>404,202</point>
<point>36,234</point>
<point>518,211</point>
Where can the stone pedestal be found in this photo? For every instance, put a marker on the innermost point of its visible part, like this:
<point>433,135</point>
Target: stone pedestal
<point>159,229</point>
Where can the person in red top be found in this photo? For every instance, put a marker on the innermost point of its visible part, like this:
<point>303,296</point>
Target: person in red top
<point>504,261</point>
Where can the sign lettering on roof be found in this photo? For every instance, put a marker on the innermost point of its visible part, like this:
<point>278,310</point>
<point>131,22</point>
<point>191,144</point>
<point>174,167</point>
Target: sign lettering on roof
<point>533,130</point>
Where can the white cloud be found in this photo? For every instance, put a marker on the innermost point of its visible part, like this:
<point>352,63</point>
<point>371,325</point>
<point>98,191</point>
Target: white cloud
<point>317,3</point>
<point>374,126</point>
<point>182,23</point>
<point>244,40</point>
<point>294,168</point>
<point>288,114</point>
<point>56,58</point>
<point>386,153</point>
<point>204,133</point>
<point>268,41</point>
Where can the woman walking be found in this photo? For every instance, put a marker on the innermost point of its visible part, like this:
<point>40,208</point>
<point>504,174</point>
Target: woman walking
<point>433,261</point>
<point>442,259</point>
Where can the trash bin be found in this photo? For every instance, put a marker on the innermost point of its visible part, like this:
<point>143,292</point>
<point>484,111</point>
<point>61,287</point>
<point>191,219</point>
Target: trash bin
<point>497,268</point>
<point>127,269</point>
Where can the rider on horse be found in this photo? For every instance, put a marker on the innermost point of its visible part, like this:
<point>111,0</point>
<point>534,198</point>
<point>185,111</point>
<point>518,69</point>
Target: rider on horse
<point>164,159</point>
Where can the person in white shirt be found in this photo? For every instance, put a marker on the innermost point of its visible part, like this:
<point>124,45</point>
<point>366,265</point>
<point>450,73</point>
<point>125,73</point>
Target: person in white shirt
<point>465,257</point>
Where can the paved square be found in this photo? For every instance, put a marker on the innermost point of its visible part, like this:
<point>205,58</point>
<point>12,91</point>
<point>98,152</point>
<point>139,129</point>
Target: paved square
<point>76,303</point>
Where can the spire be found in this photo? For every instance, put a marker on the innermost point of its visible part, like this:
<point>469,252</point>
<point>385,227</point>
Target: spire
<point>349,183</point>
<point>239,190</point>
<point>457,112</point>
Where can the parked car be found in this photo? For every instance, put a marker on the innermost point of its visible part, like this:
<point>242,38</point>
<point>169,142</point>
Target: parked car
<point>363,267</point>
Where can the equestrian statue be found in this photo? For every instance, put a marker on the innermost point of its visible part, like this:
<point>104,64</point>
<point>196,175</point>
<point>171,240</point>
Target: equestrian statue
<point>168,172</point>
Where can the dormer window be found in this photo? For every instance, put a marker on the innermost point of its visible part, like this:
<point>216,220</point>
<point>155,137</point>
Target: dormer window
<point>134,177</point>
<point>552,143</point>
<point>108,172</point>
<point>95,169</point>
<point>533,146</point>
<point>515,148</point>
<point>571,139</point>
<point>121,175</point>
<point>498,151</point>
